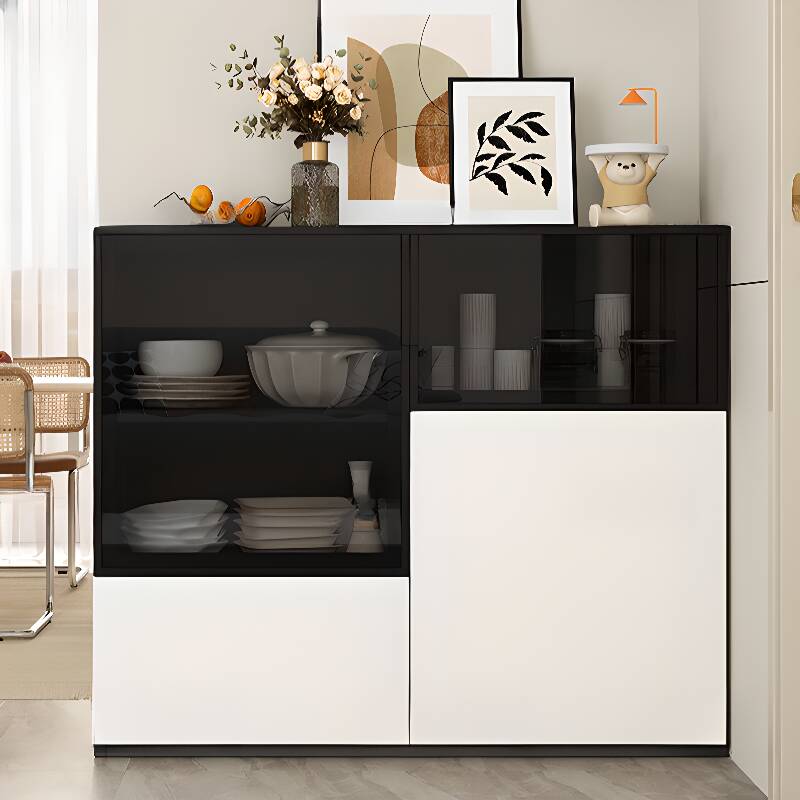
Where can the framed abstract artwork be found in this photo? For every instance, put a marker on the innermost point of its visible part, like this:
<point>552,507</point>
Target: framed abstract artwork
<point>403,54</point>
<point>512,151</point>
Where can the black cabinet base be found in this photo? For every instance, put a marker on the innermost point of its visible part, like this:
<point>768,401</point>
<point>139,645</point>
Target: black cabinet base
<point>413,751</point>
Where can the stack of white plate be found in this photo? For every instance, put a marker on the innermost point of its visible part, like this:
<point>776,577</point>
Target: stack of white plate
<point>294,524</point>
<point>178,526</point>
<point>159,391</point>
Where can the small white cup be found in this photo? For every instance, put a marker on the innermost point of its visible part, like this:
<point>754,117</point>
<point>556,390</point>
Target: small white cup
<point>512,370</point>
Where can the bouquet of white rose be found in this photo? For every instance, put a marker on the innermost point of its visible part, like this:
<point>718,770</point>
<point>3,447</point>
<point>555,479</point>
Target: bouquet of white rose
<point>313,100</point>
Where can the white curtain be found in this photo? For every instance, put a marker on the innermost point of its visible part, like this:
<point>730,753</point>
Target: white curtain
<point>48,195</point>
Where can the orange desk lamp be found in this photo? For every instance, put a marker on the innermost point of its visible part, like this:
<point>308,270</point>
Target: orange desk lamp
<point>633,98</point>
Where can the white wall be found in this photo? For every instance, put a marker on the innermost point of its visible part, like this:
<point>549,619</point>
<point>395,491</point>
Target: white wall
<point>734,174</point>
<point>609,47</point>
<point>163,125</point>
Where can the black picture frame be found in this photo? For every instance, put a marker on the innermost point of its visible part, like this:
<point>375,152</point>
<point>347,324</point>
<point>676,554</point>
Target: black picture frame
<point>573,144</point>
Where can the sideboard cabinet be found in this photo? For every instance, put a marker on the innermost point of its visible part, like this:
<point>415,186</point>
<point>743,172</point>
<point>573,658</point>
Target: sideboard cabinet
<point>546,421</point>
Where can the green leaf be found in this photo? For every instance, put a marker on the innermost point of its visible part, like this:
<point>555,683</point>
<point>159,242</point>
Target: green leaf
<point>358,67</point>
<point>228,67</point>
<point>232,47</point>
<point>284,52</point>
<point>263,83</point>
<point>239,84</point>
<point>230,82</point>
<point>248,65</point>
<point>247,129</point>
<point>356,78</point>
<point>373,84</point>
<point>277,39</point>
<point>341,53</point>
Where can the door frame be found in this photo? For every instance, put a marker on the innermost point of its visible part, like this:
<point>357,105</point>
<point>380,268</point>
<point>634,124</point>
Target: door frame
<point>784,402</point>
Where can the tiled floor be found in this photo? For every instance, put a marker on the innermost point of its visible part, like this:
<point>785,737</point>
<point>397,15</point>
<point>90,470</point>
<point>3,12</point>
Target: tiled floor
<point>45,752</point>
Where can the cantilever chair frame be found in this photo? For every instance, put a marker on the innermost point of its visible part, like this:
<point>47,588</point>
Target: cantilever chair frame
<point>39,367</point>
<point>30,483</point>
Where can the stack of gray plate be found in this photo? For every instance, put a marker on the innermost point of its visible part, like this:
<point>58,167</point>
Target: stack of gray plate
<point>294,524</point>
<point>159,391</point>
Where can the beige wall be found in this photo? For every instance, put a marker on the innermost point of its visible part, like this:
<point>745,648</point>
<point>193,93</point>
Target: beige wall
<point>163,125</point>
<point>734,178</point>
<point>608,47</point>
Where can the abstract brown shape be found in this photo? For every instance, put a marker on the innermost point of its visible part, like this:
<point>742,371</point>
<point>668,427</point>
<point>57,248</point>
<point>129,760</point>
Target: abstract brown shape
<point>372,158</point>
<point>432,140</point>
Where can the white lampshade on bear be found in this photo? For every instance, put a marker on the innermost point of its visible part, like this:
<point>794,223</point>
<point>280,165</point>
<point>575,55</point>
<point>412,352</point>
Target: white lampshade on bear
<point>625,170</point>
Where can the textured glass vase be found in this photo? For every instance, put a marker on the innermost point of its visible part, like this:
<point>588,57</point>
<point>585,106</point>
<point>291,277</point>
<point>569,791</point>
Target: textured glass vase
<point>315,188</point>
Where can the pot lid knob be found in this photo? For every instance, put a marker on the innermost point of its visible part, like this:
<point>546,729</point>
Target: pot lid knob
<point>319,327</point>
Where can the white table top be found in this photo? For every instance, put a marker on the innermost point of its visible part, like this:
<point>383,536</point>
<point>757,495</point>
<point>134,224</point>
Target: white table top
<point>76,385</point>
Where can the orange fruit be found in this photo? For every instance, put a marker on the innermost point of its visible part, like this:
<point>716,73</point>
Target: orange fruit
<point>251,212</point>
<point>225,211</point>
<point>201,199</point>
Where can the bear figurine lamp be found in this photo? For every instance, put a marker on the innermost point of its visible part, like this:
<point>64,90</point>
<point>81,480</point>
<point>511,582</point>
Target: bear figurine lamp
<point>625,170</point>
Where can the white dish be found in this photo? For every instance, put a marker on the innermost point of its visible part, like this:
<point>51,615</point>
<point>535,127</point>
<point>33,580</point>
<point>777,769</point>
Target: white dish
<point>182,531</point>
<point>171,521</point>
<point>293,521</point>
<point>320,369</point>
<point>200,392</point>
<point>265,534</point>
<point>178,508</point>
<point>284,544</point>
<point>305,505</point>
<point>184,357</point>
<point>189,380</point>
<point>186,402</point>
<point>147,547</point>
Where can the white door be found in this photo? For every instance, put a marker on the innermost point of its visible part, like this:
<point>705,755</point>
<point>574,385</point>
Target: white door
<point>250,661</point>
<point>568,577</point>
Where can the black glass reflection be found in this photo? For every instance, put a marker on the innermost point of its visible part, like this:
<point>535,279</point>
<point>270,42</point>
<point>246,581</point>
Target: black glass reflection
<point>239,290</point>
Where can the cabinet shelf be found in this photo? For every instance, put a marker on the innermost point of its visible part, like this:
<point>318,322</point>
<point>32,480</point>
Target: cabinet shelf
<point>250,417</point>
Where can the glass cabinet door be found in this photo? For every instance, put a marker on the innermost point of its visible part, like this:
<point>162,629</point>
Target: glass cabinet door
<point>587,320</point>
<point>287,454</point>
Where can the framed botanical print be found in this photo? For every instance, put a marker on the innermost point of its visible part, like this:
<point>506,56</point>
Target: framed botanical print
<point>403,54</point>
<point>512,151</point>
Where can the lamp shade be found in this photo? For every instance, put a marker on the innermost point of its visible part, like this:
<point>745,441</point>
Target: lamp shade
<point>633,98</point>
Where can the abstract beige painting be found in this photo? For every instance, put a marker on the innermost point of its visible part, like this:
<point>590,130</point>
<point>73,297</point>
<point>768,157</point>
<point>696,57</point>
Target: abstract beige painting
<point>401,54</point>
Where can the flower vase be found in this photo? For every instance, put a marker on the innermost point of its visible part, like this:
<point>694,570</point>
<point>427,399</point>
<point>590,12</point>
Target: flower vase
<point>315,188</point>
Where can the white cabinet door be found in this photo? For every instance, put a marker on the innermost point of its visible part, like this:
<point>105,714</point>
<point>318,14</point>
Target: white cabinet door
<point>568,577</point>
<point>250,661</point>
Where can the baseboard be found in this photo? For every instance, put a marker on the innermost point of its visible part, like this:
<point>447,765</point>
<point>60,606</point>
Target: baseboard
<point>413,751</point>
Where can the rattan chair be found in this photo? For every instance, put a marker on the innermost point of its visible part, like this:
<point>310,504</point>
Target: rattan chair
<point>66,412</point>
<point>17,436</point>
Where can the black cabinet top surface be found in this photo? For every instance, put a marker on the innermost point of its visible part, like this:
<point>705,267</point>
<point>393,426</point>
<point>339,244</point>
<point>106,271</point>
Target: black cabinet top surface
<point>410,230</point>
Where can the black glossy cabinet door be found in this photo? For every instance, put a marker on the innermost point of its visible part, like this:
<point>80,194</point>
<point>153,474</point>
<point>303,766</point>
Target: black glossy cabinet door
<point>238,289</point>
<point>588,320</point>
